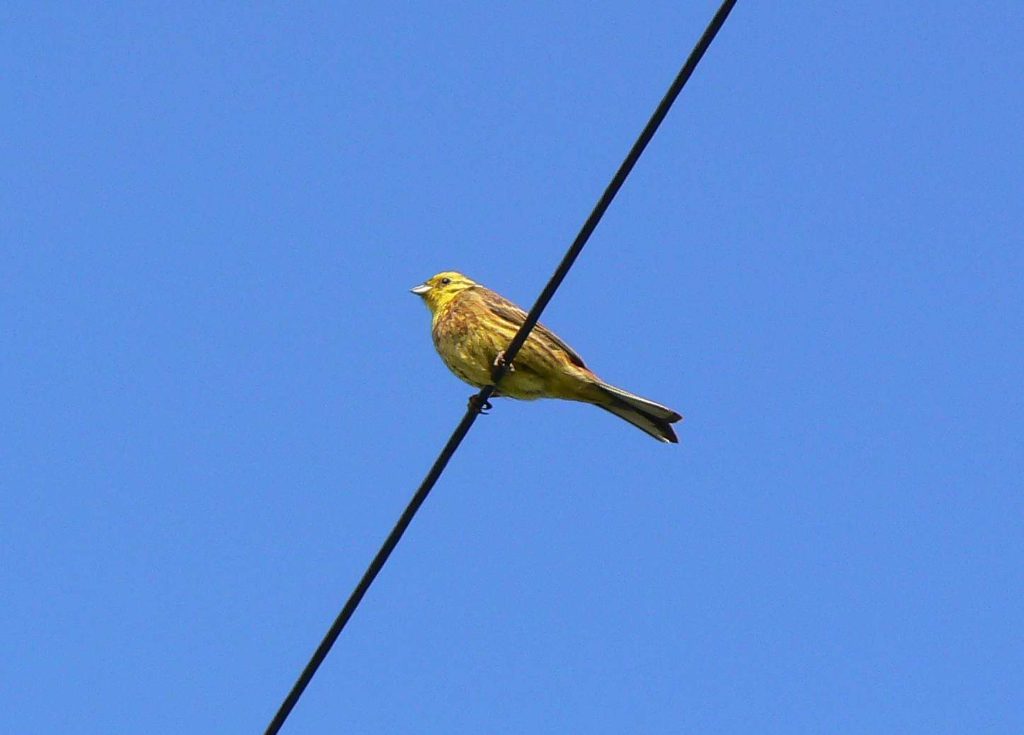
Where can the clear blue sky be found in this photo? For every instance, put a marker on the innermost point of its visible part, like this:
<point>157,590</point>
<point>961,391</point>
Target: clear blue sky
<point>218,393</point>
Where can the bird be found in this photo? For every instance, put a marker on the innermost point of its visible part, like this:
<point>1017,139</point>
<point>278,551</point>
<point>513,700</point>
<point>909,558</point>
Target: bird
<point>471,325</point>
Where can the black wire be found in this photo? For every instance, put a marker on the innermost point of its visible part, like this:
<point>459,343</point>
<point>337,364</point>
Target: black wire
<point>613,188</point>
<point>499,372</point>
<point>371,573</point>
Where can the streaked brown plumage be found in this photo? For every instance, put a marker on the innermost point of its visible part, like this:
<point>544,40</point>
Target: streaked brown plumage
<point>472,325</point>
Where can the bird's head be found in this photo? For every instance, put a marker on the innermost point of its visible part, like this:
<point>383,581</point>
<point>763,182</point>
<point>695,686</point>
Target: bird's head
<point>439,290</point>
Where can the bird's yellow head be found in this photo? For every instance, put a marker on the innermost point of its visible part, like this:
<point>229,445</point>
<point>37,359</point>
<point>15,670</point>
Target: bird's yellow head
<point>439,290</point>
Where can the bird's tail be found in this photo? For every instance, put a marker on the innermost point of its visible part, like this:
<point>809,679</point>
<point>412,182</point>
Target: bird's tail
<point>647,415</point>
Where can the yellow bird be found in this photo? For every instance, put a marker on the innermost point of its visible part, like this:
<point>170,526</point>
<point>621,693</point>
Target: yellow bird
<point>471,327</point>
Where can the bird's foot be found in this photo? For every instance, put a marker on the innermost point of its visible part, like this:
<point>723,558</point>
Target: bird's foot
<point>499,362</point>
<point>475,404</point>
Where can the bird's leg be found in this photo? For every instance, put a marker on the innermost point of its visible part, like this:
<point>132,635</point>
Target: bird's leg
<point>499,361</point>
<point>476,405</point>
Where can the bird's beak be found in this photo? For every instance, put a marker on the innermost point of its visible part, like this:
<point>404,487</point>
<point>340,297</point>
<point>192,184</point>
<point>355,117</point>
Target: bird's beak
<point>420,290</point>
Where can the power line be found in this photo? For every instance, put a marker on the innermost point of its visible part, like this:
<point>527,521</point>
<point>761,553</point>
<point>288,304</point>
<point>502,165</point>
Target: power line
<point>499,372</point>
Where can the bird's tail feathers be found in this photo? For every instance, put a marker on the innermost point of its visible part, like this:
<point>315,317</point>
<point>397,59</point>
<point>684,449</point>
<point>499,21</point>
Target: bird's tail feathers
<point>646,415</point>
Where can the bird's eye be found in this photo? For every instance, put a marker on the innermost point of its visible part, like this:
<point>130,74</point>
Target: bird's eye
<point>445,281</point>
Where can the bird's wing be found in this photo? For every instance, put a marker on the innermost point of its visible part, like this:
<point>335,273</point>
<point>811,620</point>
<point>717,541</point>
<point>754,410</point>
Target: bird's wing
<point>506,310</point>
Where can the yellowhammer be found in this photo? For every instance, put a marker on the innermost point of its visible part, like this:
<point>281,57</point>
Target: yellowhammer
<point>472,325</point>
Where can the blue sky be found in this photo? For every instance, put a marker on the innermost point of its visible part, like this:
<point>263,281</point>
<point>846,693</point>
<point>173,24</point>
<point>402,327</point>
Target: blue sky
<point>219,395</point>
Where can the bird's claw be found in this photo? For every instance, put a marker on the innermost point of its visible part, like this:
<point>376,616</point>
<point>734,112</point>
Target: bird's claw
<point>475,404</point>
<point>499,362</point>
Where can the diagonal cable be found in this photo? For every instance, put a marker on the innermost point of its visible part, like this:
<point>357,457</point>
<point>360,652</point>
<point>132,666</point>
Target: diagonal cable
<point>499,372</point>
